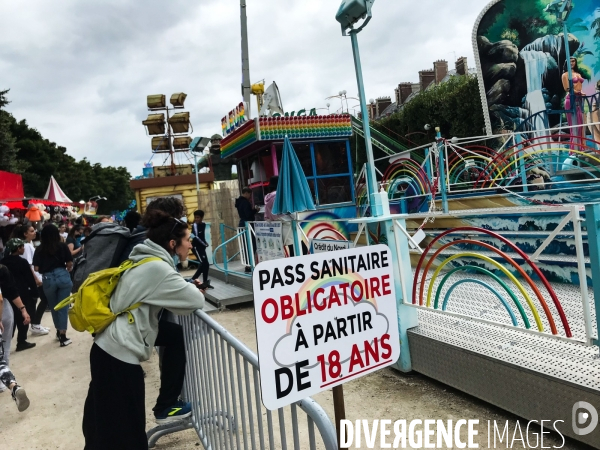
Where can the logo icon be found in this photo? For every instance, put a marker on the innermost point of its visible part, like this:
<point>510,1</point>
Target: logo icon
<point>585,418</point>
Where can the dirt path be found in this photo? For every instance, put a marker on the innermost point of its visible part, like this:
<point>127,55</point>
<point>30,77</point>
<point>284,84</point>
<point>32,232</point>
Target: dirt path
<point>56,380</point>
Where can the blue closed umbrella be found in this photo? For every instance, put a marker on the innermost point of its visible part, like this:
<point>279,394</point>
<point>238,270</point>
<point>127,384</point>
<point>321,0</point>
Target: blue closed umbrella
<point>293,193</point>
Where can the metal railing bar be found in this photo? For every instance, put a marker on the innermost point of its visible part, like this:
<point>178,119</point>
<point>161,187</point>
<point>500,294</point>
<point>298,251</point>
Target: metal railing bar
<point>409,237</point>
<point>282,428</point>
<point>239,347</point>
<point>552,235</point>
<point>261,436</point>
<point>208,365</point>
<point>270,430</point>
<point>295,427</point>
<point>249,401</point>
<point>232,383</point>
<point>168,429</point>
<point>231,259</point>
<point>211,389</point>
<point>311,433</point>
<point>230,418</point>
<point>241,395</point>
<point>585,299</point>
<point>218,392</point>
<point>405,298</point>
<point>196,386</point>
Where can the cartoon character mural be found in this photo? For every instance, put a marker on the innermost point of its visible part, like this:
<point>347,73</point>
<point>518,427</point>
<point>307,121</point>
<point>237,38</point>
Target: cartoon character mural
<point>520,54</point>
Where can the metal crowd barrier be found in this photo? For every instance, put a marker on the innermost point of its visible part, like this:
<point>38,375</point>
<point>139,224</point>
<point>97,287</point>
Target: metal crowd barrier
<point>222,383</point>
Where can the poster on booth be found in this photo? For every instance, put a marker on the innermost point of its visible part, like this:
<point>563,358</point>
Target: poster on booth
<point>323,320</point>
<point>269,241</point>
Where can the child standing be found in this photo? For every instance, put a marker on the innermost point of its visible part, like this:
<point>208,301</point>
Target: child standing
<point>199,247</point>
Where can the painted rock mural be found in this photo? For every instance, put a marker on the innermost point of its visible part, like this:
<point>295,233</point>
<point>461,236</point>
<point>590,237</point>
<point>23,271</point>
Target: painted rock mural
<point>521,57</point>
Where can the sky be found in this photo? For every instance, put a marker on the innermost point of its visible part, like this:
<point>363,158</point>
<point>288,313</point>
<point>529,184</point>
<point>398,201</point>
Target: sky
<point>79,71</point>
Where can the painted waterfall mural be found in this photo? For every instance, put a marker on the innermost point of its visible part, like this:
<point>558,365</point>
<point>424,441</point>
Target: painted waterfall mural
<point>521,55</point>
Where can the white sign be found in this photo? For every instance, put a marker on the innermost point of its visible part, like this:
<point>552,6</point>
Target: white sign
<point>269,241</point>
<point>322,320</point>
<point>328,245</point>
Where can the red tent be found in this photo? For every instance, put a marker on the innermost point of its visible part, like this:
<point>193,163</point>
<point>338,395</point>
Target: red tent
<point>11,186</point>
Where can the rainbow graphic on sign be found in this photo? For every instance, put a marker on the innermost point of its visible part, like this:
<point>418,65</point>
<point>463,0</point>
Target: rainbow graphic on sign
<point>311,286</point>
<point>245,135</point>
<point>305,127</point>
<point>325,225</point>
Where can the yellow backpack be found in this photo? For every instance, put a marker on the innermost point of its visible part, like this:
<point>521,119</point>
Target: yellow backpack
<point>91,303</point>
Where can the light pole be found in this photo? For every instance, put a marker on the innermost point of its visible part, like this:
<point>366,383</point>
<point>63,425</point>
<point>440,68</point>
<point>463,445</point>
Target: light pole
<point>175,127</point>
<point>350,12</point>
<point>246,85</point>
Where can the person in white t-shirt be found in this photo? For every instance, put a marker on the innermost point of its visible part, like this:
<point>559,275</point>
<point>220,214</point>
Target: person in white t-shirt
<point>62,230</point>
<point>27,233</point>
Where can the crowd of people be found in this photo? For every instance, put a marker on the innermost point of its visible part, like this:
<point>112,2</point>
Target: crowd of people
<point>35,275</point>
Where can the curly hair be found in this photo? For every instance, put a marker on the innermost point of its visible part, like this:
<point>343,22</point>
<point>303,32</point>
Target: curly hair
<point>163,224</point>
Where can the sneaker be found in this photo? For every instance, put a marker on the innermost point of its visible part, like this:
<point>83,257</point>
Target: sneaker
<point>64,340</point>
<point>179,411</point>
<point>248,269</point>
<point>24,346</point>
<point>38,330</point>
<point>20,398</point>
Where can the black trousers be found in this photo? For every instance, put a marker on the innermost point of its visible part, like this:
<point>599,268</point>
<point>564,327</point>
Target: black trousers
<point>36,318</point>
<point>172,373</point>
<point>18,325</point>
<point>114,415</point>
<point>202,264</point>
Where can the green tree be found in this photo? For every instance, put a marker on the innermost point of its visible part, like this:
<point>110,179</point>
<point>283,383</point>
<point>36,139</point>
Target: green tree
<point>80,180</point>
<point>8,144</point>
<point>454,106</point>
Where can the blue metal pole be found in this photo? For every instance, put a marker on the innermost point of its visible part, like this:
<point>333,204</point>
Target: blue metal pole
<point>249,245</point>
<point>224,248</point>
<point>592,222</point>
<point>442,170</point>
<point>375,202</point>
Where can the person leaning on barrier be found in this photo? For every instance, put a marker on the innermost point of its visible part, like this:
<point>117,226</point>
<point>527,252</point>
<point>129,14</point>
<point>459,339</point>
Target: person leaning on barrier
<point>114,413</point>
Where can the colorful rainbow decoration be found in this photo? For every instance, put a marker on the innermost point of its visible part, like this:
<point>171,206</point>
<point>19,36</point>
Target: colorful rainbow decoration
<point>305,127</point>
<point>540,152</point>
<point>325,225</point>
<point>311,286</point>
<point>243,136</point>
<point>465,164</point>
<point>421,277</point>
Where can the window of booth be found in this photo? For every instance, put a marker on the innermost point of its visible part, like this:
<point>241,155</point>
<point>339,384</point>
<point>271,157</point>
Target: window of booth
<point>328,170</point>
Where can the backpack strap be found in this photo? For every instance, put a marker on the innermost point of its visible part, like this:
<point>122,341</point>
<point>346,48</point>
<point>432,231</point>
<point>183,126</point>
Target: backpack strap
<point>126,265</point>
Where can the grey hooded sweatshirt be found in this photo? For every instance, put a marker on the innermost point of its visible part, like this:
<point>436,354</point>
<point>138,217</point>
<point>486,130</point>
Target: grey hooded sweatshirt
<point>157,285</point>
